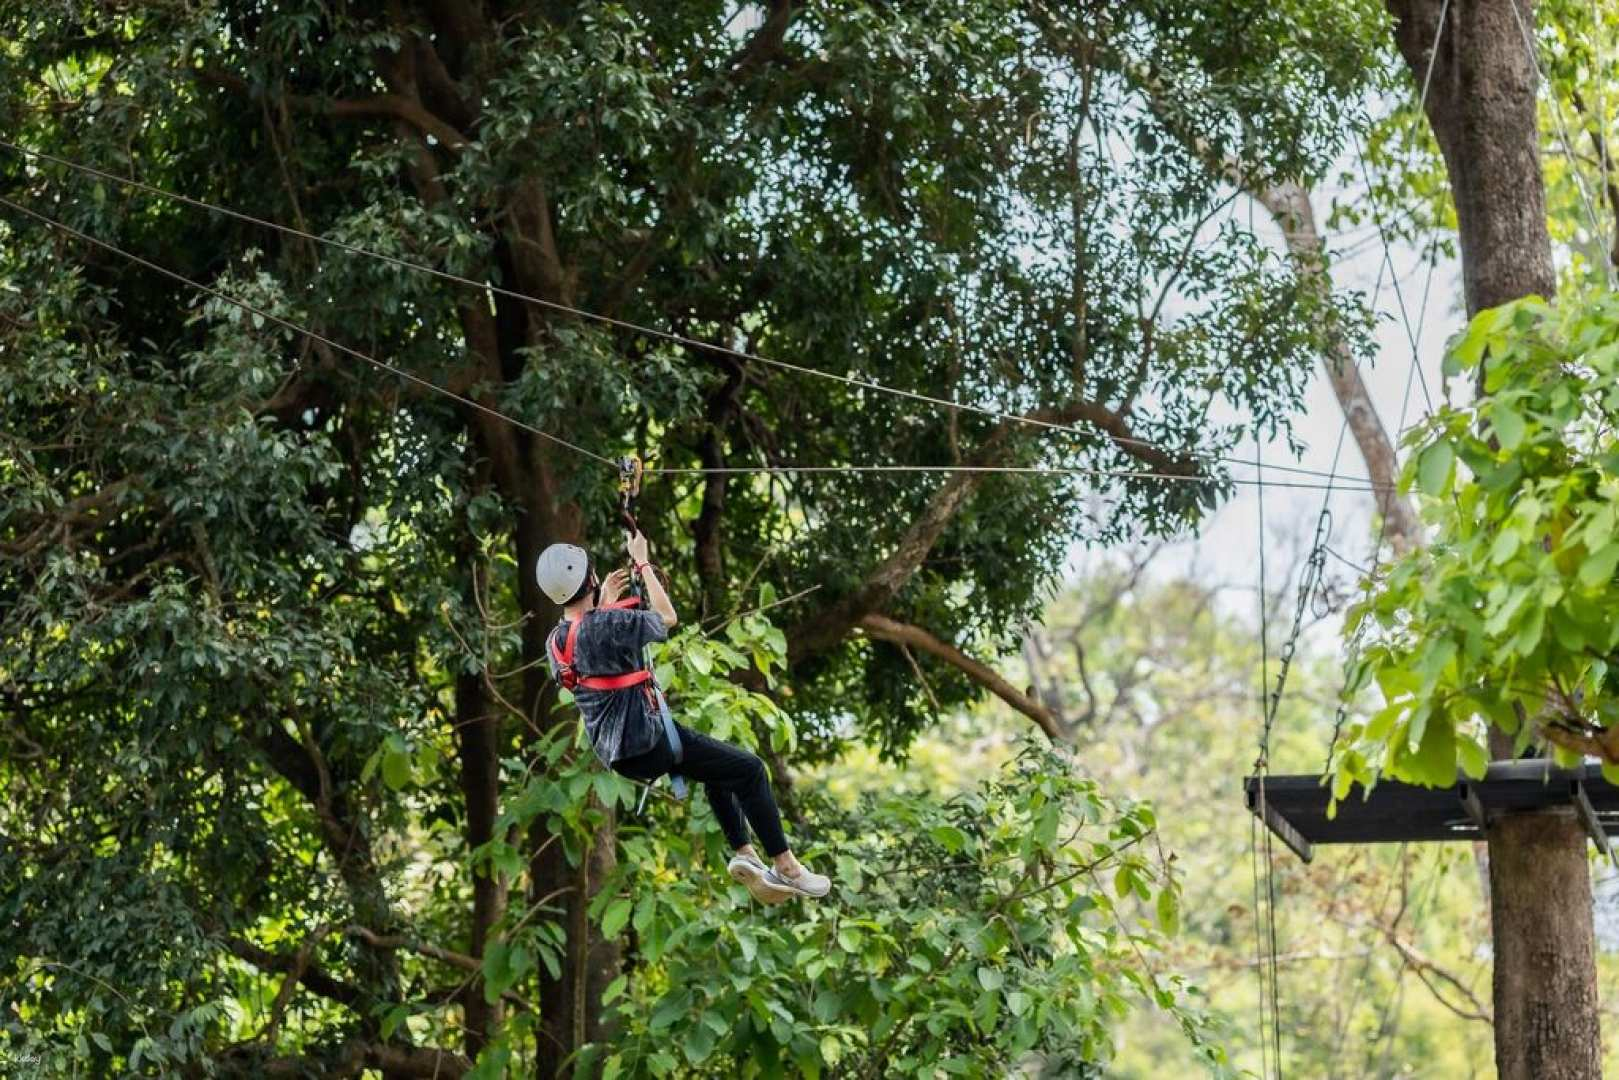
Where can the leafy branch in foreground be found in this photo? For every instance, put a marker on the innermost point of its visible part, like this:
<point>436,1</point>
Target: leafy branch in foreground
<point>1505,619</point>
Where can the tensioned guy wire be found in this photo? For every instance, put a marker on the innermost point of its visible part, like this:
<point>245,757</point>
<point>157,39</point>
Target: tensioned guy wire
<point>488,410</point>
<point>623,324</point>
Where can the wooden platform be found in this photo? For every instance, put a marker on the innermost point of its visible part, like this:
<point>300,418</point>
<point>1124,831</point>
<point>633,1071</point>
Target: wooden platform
<point>1295,807</point>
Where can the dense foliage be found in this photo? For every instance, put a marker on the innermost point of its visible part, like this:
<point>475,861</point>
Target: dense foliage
<point>287,786</point>
<point>1505,619</point>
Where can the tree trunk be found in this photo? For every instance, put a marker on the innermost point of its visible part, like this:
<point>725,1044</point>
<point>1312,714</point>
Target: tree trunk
<point>1481,103</point>
<point>1545,956</point>
<point>1482,107</point>
<point>1289,206</point>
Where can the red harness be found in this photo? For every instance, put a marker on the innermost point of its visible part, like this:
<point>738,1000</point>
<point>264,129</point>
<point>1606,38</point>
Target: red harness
<point>571,679</point>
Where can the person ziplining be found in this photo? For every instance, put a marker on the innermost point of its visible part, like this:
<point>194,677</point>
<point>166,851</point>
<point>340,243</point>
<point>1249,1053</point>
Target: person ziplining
<point>597,652</point>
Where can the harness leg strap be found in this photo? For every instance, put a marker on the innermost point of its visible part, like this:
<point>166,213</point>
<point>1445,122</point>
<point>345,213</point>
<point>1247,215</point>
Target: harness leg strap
<point>677,783</point>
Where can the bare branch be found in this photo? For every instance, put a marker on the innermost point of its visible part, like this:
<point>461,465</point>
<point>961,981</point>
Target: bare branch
<point>882,628</point>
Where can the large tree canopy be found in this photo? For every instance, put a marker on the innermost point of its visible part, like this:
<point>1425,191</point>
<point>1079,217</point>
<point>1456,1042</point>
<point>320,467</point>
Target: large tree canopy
<point>269,657</point>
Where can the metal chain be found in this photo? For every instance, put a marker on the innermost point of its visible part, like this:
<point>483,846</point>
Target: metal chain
<point>1309,580</point>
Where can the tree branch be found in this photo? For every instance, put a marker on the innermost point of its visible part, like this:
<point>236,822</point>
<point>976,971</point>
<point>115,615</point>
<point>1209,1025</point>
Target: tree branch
<point>1428,971</point>
<point>882,628</point>
<point>296,965</point>
<point>821,631</point>
<point>376,107</point>
<point>399,941</point>
<point>351,1059</point>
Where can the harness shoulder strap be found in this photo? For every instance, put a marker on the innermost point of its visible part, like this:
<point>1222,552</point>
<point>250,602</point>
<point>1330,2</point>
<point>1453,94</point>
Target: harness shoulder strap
<point>571,679</point>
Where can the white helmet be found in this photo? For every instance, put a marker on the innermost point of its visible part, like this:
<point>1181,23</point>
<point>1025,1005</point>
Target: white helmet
<point>560,570</point>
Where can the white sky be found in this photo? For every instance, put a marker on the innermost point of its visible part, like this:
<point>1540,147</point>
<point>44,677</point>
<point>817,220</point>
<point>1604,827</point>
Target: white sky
<point>1228,542</point>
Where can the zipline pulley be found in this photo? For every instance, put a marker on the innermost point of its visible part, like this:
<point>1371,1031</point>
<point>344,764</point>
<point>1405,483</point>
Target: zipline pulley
<point>629,490</point>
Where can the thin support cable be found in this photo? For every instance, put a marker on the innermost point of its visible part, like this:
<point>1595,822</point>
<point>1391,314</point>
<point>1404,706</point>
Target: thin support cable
<point>287,324</point>
<point>998,415</point>
<point>1267,908</point>
<point>1360,487</point>
<point>1259,943</point>
<point>1275,971</point>
<point>1352,651</point>
<point>1377,216</point>
<point>1412,335</point>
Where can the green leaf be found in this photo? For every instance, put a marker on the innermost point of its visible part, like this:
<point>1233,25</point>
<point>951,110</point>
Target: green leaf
<point>491,1063</point>
<point>1598,569</point>
<point>698,1043</point>
<point>614,989</point>
<point>990,978</point>
<point>1169,915</point>
<point>1434,763</point>
<point>1474,759</point>
<point>831,1050</point>
<point>1433,468</point>
<point>496,976</point>
<point>1508,426</point>
<point>673,1006</point>
<point>1505,546</point>
<point>614,918</point>
<point>948,837</point>
<point>1470,349</point>
<point>396,771</point>
<point>391,1022</point>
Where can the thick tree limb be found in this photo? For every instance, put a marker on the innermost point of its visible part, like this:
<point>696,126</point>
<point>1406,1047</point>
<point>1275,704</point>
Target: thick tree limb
<point>821,631</point>
<point>398,941</point>
<point>391,106</point>
<point>296,966</point>
<point>765,43</point>
<point>352,1058</point>
<point>1288,203</point>
<point>882,628</point>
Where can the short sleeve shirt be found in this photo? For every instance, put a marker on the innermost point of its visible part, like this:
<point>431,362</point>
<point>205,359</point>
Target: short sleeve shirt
<point>620,723</point>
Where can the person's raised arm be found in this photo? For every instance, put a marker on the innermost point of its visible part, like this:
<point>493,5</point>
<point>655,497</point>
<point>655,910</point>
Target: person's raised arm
<point>656,597</point>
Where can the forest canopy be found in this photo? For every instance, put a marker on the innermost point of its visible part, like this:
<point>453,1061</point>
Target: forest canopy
<point>292,791</point>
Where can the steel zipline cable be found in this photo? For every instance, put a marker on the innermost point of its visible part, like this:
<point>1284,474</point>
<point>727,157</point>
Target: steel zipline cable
<point>427,384</point>
<point>652,332</point>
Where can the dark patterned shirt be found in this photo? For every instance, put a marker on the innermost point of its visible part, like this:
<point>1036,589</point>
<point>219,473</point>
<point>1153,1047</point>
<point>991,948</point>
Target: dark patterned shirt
<point>620,723</point>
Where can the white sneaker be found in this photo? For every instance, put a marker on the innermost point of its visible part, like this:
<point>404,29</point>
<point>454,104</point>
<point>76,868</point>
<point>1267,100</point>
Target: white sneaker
<point>751,873</point>
<point>806,883</point>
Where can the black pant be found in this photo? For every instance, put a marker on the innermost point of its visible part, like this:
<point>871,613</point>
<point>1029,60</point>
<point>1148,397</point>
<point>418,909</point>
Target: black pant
<point>734,780</point>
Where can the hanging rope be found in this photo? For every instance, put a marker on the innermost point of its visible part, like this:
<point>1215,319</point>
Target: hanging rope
<point>999,415</point>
